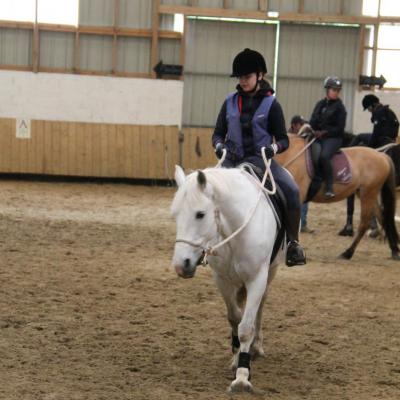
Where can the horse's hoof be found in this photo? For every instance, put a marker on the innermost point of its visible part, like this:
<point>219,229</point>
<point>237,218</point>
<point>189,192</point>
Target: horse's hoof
<point>346,231</point>
<point>374,233</point>
<point>240,386</point>
<point>346,255</point>
<point>395,256</point>
<point>241,383</point>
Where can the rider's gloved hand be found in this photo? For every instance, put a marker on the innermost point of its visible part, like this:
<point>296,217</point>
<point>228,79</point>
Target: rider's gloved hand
<point>219,148</point>
<point>271,150</point>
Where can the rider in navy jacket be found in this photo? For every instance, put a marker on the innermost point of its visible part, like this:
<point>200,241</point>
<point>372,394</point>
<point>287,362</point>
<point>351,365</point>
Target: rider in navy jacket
<point>251,118</point>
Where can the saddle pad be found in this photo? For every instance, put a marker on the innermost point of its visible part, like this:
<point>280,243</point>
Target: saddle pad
<point>341,167</point>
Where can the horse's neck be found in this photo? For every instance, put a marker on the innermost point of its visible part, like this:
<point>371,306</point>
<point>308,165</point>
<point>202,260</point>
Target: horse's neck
<point>296,144</point>
<point>245,213</point>
<point>236,198</point>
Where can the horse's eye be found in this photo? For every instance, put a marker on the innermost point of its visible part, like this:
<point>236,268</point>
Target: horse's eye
<point>200,214</point>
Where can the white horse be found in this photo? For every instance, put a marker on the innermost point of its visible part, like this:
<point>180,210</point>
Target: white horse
<point>208,207</point>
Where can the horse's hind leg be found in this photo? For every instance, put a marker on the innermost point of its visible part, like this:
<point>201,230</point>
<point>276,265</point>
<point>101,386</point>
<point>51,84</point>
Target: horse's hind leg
<point>368,201</point>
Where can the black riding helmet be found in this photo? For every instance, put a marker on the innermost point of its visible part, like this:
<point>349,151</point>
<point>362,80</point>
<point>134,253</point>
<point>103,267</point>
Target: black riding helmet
<point>369,100</point>
<point>247,62</point>
<point>332,82</point>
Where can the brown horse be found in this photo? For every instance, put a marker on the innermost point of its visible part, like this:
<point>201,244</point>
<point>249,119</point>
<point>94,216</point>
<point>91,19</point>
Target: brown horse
<point>367,180</point>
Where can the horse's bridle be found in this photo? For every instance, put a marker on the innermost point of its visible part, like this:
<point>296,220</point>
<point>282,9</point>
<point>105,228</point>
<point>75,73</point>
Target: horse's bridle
<point>205,250</point>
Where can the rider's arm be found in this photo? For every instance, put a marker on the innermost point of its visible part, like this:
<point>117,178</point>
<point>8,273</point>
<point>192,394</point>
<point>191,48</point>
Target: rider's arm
<point>315,116</point>
<point>221,127</point>
<point>277,127</point>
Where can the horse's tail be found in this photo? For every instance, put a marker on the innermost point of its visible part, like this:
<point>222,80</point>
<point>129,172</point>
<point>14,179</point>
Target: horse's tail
<point>394,154</point>
<point>388,196</point>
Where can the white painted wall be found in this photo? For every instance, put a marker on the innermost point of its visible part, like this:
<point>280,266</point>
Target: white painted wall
<point>67,97</point>
<point>362,119</point>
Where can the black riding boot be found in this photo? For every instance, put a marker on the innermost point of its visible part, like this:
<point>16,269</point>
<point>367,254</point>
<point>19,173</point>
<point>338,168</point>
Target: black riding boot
<point>328,172</point>
<point>295,254</point>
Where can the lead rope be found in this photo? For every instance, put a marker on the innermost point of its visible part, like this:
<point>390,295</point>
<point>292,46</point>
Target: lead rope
<point>211,250</point>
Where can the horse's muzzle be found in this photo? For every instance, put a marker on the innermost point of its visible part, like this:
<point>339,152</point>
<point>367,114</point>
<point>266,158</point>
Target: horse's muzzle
<point>187,270</point>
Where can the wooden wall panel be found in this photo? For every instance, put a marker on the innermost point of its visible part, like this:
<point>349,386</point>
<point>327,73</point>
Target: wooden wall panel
<point>197,149</point>
<point>90,149</point>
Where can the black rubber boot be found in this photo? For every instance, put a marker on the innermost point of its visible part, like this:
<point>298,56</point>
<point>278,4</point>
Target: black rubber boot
<point>295,254</point>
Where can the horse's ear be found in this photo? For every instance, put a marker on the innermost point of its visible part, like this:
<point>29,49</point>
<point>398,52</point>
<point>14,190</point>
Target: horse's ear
<point>201,179</point>
<point>179,175</point>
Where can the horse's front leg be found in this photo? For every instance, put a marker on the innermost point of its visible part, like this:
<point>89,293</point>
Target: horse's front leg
<point>256,349</point>
<point>247,329</point>
<point>348,228</point>
<point>229,293</point>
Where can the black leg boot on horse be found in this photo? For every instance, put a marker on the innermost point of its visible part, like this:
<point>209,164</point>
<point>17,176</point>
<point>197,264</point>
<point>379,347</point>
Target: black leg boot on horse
<point>295,254</point>
<point>348,228</point>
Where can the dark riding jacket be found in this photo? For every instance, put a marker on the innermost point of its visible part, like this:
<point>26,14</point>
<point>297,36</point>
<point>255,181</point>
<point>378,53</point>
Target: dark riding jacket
<point>386,126</point>
<point>246,123</point>
<point>329,116</point>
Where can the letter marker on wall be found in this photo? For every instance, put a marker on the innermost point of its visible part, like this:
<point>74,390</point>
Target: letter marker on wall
<point>23,128</point>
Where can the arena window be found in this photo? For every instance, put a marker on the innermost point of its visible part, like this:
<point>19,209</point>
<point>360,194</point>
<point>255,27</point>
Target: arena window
<point>385,45</point>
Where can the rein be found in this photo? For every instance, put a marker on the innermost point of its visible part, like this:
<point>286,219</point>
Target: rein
<point>211,250</point>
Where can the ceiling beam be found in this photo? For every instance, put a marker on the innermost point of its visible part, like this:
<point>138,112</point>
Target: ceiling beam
<point>283,17</point>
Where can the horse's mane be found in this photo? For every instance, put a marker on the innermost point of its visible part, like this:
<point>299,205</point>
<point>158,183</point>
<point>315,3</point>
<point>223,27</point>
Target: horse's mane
<point>220,180</point>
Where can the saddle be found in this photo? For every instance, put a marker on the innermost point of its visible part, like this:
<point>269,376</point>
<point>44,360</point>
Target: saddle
<point>340,163</point>
<point>277,202</point>
<point>342,173</point>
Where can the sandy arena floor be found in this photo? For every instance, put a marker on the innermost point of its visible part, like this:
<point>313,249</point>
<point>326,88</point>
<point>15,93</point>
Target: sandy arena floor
<point>90,308</point>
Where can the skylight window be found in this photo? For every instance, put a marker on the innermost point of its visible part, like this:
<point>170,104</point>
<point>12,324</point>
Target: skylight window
<point>63,12</point>
<point>370,8</point>
<point>17,10</point>
<point>390,8</point>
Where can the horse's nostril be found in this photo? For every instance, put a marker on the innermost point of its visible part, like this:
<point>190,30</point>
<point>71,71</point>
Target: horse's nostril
<point>186,263</point>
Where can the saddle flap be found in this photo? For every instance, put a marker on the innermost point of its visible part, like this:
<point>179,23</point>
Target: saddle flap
<point>340,165</point>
